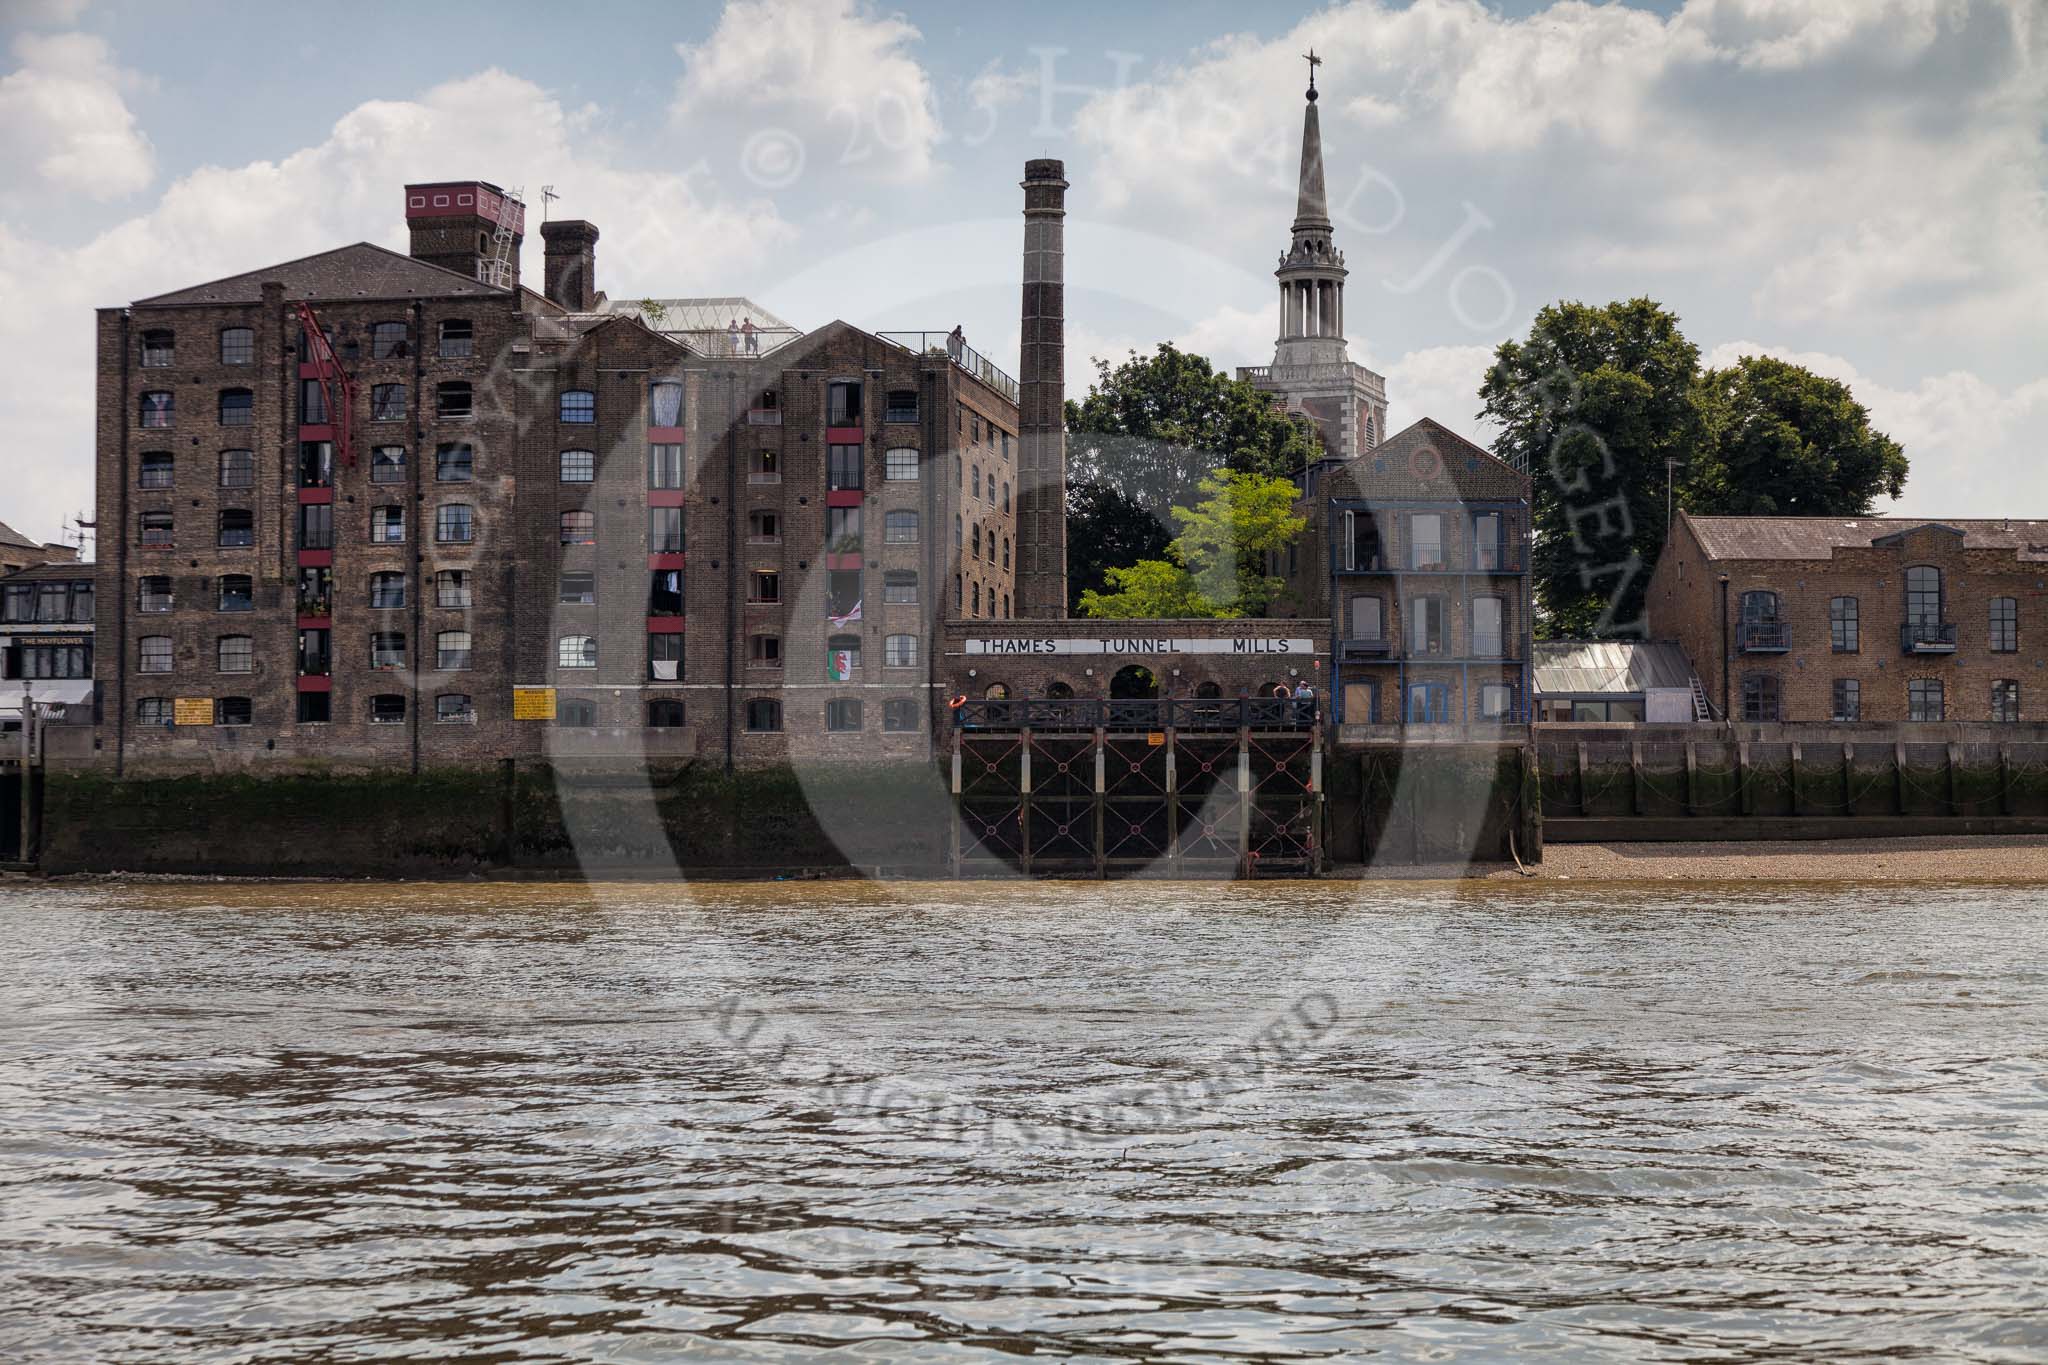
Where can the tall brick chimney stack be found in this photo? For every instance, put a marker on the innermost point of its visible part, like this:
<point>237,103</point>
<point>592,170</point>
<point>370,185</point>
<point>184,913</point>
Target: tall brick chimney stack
<point>1042,419</point>
<point>571,260</point>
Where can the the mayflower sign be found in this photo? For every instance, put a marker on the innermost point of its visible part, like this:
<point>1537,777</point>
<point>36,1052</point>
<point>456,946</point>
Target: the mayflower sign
<point>1132,644</point>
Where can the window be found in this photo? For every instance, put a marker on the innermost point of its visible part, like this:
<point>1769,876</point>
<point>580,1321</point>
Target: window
<point>457,339</point>
<point>765,650</point>
<point>842,467</point>
<point>974,428</point>
<point>842,593</point>
<point>900,406</point>
<point>156,470</point>
<point>665,403</point>
<point>387,525</point>
<point>316,526</point>
<point>665,466</point>
<point>576,651</point>
<point>2005,626</point>
<point>579,528</point>
<point>158,408</point>
<point>899,651</point>
<point>899,528</point>
<point>236,654</point>
<point>842,656</point>
<point>387,708</point>
<point>1006,554</point>
<point>578,406</point>
<point>316,592</point>
<point>764,585</point>
<point>316,708</point>
<point>842,403</point>
<point>577,713</point>
<point>842,714</point>
<point>764,715</point>
<point>1924,699</point>
<point>976,596</point>
<point>1006,502</point>
<point>454,708</point>
<point>451,588</point>
<point>665,530</point>
<point>36,660</point>
<point>1760,698</point>
<point>1426,625</point>
<point>154,654</point>
<point>974,480</point>
<point>1425,541</point>
<point>312,403</point>
<point>153,711</point>
<point>899,587</point>
<point>237,407</point>
<point>237,528</point>
<point>974,542</point>
<point>237,345</point>
<point>665,656</point>
<point>842,530</point>
<point>238,469</point>
<point>237,592</point>
<point>316,464</point>
<point>1844,625</point>
<point>454,462</point>
<point>578,466</point>
<point>2005,699</point>
<point>387,403</point>
<point>451,650</point>
<point>765,466</point>
<point>1848,700</point>
<point>233,711</point>
<point>1923,596</point>
<point>1365,618</point>
<point>156,528</point>
<point>316,651</point>
<point>159,348</point>
<point>1486,541</point>
<point>387,591</point>
<point>899,717</point>
<point>153,594</point>
<point>665,592</point>
<point>1496,701</point>
<point>764,527</point>
<point>387,464</point>
<point>665,713</point>
<point>1488,633</point>
<point>959,535</point>
<point>452,399</point>
<point>900,465</point>
<point>454,523</point>
<point>387,649</point>
<point>387,341</point>
<point>577,589</point>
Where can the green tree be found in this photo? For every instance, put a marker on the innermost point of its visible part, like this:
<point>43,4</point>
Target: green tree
<point>1592,404</point>
<point>1216,565</point>
<point>1784,441</point>
<point>1141,442</point>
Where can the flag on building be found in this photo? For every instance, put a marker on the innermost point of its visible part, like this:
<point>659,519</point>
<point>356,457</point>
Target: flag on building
<point>839,665</point>
<point>850,617</point>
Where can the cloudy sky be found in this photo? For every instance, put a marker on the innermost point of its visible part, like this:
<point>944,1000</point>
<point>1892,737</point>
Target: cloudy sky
<point>1860,185</point>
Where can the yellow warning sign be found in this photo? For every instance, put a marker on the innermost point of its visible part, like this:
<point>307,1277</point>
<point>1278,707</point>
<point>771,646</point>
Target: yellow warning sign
<point>193,711</point>
<point>1155,738</point>
<point>533,703</point>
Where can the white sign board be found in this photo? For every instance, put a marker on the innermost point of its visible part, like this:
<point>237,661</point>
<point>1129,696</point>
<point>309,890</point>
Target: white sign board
<point>1137,644</point>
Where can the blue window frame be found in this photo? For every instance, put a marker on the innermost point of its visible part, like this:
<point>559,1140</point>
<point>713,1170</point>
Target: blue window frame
<point>1429,703</point>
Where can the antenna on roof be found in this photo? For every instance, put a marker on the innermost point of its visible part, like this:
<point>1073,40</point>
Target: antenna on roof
<point>547,197</point>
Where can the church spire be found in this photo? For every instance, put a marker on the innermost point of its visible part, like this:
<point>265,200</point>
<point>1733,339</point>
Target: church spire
<point>1312,205</point>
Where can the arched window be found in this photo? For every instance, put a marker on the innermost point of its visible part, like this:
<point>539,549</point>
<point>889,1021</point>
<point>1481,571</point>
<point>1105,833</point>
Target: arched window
<point>764,715</point>
<point>576,651</point>
<point>452,399</point>
<point>153,654</point>
<point>452,650</point>
<point>2005,625</point>
<point>387,708</point>
<point>842,656</point>
<point>157,469</point>
<point>387,341</point>
<point>899,651</point>
<point>579,406</point>
<point>237,528</point>
<point>237,407</point>
<point>842,714</point>
<point>236,654</point>
<point>233,711</point>
<point>158,407</point>
<point>387,591</point>
<point>455,523</point>
<point>579,466</point>
<point>1059,691</point>
<point>579,528</point>
<point>387,525</point>
<point>899,587</point>
<point>237,345</point>
<point>665,713</point>
<point>237,592</point>
<point>996,692</point>
<point>974,542</point>
<point>1208,690</point>
<point>899,465</point>
<point>454,708</point>
<point>577,713</point>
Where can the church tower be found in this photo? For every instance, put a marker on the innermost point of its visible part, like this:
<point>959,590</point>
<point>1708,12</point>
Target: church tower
<point>1311,371</point>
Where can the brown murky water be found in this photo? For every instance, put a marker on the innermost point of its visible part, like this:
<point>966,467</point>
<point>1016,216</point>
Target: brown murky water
<point>1137,1122</point>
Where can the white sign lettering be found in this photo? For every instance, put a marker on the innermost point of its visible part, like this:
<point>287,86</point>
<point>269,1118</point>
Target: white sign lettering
<point>1141,644</point>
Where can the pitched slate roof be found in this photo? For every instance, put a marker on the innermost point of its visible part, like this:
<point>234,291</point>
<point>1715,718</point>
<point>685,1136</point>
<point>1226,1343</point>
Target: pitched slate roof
<point>61,570</point>
<point>363,270</point>
<point>10,536</point>
<point>1820,537</point>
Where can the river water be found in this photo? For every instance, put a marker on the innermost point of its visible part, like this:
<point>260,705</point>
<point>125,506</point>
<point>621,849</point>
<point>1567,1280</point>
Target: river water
<point>1115,1123</point>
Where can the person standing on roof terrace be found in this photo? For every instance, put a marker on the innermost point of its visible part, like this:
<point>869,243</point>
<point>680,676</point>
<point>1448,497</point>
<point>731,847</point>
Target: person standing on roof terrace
<point>732,336</point>
<point>752,334</point>
<point>956,342</point>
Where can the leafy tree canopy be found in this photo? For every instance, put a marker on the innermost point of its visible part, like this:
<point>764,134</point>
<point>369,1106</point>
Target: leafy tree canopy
<point>1784,441</point>
<point>1216,565</point>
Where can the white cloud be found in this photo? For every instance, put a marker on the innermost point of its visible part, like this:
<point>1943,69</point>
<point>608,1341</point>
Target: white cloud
<point>67,119</point>
<point>1972,445</point>
<point>833,75</point>
<point>1441,382</point>
<point>665,232</point>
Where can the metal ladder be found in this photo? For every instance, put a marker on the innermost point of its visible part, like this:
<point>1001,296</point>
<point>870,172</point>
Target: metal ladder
<point>1702,709</point>
<point>497,267</point>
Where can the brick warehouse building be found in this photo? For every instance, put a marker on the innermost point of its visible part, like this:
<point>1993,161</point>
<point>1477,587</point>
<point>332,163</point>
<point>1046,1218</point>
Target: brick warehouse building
<point>400,510</point>
<point>1859,618</point>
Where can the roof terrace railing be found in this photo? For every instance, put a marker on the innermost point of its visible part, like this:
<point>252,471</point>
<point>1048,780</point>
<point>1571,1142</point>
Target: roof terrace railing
<point>960,353</point>
<point>725,344</point>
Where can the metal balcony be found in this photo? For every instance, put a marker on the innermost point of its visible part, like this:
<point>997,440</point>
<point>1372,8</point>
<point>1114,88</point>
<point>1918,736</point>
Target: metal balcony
<point>1375,647</point>
<point>1928,637</point>
<point>1763,637</point>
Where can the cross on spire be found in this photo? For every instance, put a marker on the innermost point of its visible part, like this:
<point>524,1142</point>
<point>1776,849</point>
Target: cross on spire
<point>1313,62</point>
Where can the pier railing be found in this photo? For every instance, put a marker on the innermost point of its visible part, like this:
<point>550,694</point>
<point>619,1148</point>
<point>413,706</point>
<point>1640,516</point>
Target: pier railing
<point>1152,713</point>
